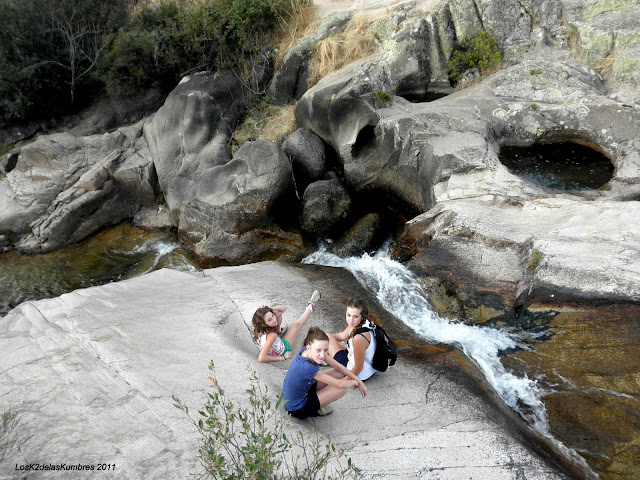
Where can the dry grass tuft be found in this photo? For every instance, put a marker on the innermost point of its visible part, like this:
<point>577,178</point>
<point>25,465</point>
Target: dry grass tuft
<point>304,20</point>
<point>338,50</point>
<point>602,65</point>
<point>265,121</point>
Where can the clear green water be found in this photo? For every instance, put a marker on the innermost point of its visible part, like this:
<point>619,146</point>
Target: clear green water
<point>115,254</point>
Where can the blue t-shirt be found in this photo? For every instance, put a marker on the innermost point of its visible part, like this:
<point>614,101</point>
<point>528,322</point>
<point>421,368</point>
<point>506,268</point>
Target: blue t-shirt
<point>298,381</point>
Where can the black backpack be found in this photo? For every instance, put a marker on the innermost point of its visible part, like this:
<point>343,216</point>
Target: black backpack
<point>386,352</point>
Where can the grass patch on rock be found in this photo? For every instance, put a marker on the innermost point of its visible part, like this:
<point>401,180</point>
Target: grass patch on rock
<point>8,423</point>
<point>265,121</point>
<point>341,49</point>
<point>535,257</point>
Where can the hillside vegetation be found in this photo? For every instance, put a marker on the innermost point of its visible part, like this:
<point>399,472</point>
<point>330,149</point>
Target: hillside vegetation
<point>57,55</point>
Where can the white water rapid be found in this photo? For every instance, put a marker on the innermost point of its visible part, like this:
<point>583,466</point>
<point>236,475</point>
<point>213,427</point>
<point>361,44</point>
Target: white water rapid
<point>399,293</point>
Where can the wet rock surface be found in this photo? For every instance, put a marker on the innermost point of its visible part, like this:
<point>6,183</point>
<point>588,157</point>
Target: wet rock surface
<point>591,379</point>
<point>64,188</point>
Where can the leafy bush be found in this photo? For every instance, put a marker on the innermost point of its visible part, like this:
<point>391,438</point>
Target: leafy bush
<point>148,52</point>
<point>8,422</point>
<point>22,88</point>
<point>240,442</point>
<point>165,41</point>
<point>479,52</point>
<point>383,96</point>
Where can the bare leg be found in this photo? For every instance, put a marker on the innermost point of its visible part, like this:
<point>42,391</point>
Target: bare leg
<point>329,371</point>
<point>334,345</point>
<point>295,327</point>
<point>330,394</point>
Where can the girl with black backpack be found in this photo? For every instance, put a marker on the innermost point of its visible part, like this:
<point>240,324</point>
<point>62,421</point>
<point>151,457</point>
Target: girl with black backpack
<point>353,348</point>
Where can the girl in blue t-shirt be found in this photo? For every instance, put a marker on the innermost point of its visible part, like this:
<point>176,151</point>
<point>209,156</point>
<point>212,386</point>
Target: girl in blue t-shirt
<point>307,390</point>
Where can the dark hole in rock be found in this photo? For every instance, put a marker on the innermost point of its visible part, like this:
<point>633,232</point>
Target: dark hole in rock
<point>365,142</point>
<point>423,98</point>
<point>434,92</point>
<point>393,211</point>
<point>564,166</point>
<point>287,209</point>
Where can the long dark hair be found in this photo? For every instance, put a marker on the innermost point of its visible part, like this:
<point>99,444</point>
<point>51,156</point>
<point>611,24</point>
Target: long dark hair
<point>314,333</point>
<point>259,327</point>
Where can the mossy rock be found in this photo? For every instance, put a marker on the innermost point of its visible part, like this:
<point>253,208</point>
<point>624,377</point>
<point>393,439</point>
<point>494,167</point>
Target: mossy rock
<point>593,8</point>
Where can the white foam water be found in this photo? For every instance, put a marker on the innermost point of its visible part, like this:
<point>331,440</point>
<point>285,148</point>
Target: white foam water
<point>399,293</point>
<point>159,249</point>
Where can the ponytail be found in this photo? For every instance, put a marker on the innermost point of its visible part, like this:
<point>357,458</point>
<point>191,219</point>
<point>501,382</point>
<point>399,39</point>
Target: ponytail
<point>313,334</point>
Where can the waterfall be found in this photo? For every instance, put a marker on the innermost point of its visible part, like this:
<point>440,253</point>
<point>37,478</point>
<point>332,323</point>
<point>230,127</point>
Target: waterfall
<point>399,293</point>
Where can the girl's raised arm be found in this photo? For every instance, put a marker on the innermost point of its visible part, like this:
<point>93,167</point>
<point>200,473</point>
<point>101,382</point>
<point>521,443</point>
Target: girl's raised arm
<point>279,309</point>
<point>342,336</point>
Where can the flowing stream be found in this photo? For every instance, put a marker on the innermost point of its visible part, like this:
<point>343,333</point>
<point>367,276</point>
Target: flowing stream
<point>125,251</point>
<point>399,293</point>
<point>115,254</point>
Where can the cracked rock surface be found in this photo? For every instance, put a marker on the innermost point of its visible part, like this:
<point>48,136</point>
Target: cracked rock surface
<point>91,375</point>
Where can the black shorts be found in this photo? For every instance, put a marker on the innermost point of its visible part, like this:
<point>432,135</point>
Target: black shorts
<point>342,357</point>
<point>311,406</point>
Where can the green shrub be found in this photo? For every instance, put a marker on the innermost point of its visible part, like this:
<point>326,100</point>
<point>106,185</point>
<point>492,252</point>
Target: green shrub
<point>479,52</point>
<point>533,106</point>
<point>162,43</point>
<point>238,442</point>
<point>8,422</point>
<point>383,96</point>
<point>535,256</point>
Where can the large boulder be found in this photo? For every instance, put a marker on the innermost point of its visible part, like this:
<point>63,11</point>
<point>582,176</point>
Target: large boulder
<point>190,133</point>
<point>344,107</point>
<point>229,218</point>
<point>362,237</point>
<point>325,206</point>
<point>222,204</point>
<point>345,102</point>
<point>501,254</point>
<point>64,187</point>
<point>307,154</point>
